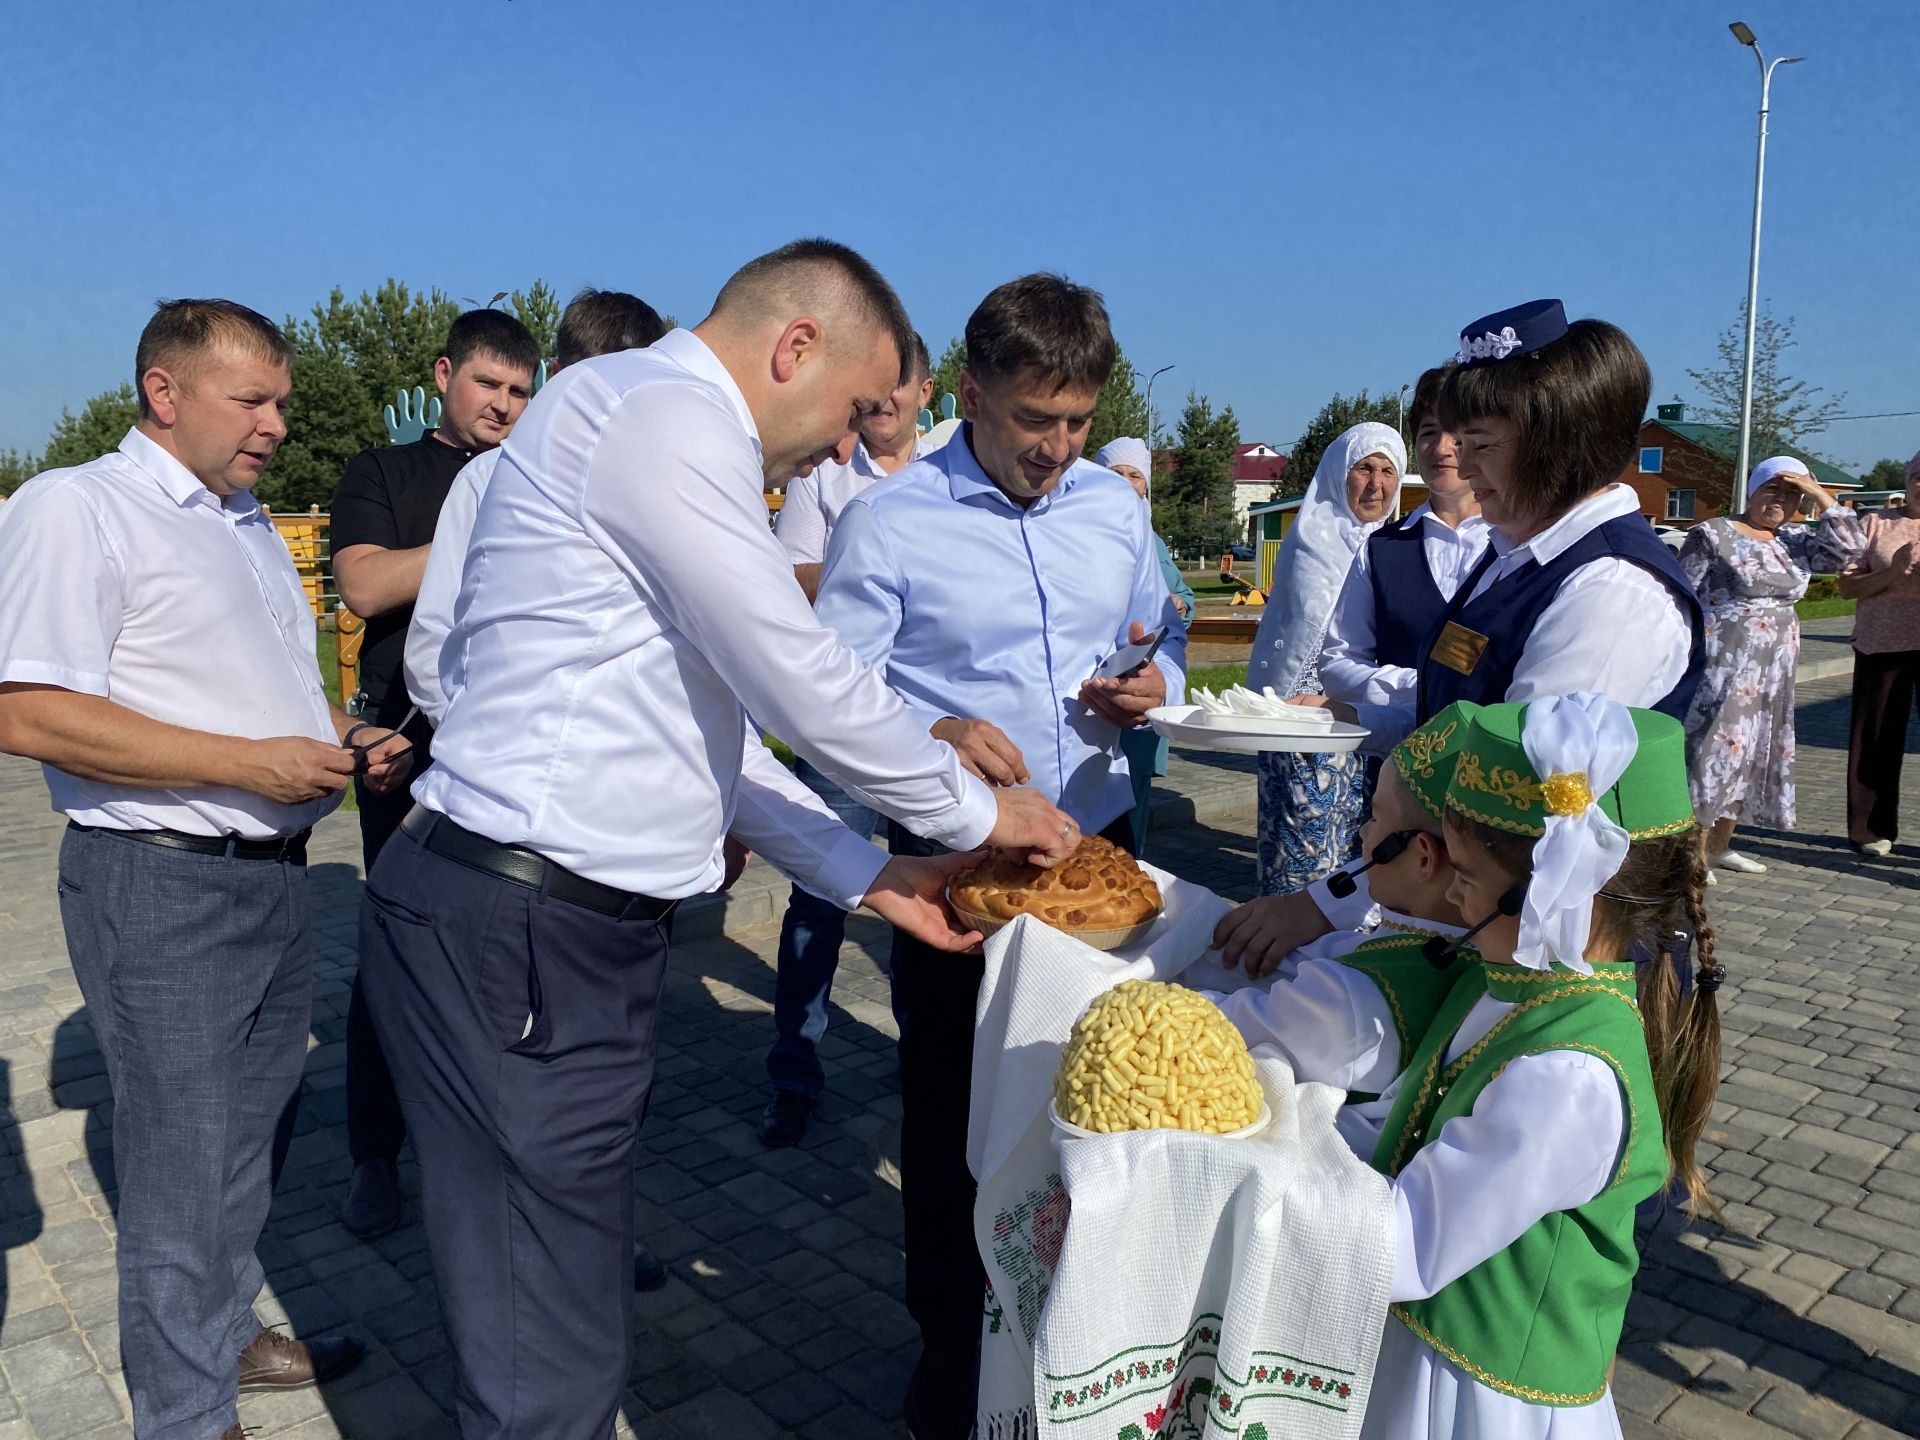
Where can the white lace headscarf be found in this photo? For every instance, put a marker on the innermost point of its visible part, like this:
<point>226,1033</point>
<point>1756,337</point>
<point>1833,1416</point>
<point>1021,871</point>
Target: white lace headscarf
<point>1128,451</point>
<point>1315,559</point>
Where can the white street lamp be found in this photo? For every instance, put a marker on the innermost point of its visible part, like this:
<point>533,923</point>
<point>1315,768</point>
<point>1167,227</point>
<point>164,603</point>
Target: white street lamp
<point>1745,36</point>
<point>1152,427</point>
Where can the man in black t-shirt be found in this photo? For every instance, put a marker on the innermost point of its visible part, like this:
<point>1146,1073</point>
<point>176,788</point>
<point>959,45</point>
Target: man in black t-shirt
<point>384,512</point>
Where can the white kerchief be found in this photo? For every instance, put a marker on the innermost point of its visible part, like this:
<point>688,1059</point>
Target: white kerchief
<point>1590,738</point>
<point>1125,451</point>
<point>1315,559</point>
<point>1773,469</point>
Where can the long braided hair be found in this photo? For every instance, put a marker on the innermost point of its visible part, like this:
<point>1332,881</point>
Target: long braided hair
<point>1655,905</point>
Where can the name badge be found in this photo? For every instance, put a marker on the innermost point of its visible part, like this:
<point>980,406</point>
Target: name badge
<point>1458,648</point>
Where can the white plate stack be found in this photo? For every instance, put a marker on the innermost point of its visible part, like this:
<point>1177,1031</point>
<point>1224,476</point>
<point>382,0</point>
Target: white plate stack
<point>1241,721</point>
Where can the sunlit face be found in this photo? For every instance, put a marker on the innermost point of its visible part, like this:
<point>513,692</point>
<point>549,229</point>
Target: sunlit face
<point>1372,483</point>
<point>1478,884</point>
<point>225,415</point>
<point>1489,450</point>
<point>1025,432</point>
<point>1774,504</point>
<point>1438,455</point>
<point>1132,475</point>
<point>481,399</point>
<point>826,393</point>
<point>1395,810</point>
<point>889,426</point>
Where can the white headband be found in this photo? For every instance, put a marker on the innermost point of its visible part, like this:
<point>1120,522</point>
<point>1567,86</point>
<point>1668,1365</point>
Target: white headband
<point>1770,470</point>
<point>1589,737</point>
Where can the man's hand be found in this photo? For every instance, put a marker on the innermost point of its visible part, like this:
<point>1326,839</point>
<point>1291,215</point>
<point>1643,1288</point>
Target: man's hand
<point>984,749</point>
<point>385,759</point>
<point>910,894</point>
<point>1125,702</point>
<point>1261,932</point>
<point>293,769</point>
<point>736,856</point>
<point>1031,823</point>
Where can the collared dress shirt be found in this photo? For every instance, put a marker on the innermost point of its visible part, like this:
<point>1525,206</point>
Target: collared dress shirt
<point>1612,628</point>
<point>129,579</point>
<point>1348,668</point>
<point>622,600</point>
<point>440,590</point>
<point>981,609</point>
<point>813,502</point>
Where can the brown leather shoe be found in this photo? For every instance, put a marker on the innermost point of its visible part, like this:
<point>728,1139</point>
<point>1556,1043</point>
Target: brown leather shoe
<point>233,1432</point>
<point>273,1361</point>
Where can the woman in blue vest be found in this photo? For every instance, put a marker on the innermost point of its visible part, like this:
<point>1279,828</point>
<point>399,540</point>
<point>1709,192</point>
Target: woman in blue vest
<point>1146,751</point>
<point>1406,573</point>
<point>1575,592</point>
<point>1311,805</point>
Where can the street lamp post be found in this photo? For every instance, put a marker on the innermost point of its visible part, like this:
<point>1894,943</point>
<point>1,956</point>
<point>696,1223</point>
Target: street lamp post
<point>1151,427</point>
<point>1745,36</point>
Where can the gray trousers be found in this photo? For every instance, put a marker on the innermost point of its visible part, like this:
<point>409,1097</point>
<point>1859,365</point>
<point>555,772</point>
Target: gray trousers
<point>198,976</point>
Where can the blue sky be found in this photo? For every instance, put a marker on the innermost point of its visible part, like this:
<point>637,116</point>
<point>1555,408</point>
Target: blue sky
<point>1279,199</point>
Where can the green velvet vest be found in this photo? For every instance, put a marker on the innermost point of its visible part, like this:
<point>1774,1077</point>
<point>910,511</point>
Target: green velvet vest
<point>1541,1320</point>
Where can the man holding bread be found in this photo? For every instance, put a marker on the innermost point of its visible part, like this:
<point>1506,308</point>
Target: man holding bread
<point>988,582</point>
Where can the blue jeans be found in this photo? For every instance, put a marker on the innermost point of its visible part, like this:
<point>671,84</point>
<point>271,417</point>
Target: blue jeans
<point>810,937</point>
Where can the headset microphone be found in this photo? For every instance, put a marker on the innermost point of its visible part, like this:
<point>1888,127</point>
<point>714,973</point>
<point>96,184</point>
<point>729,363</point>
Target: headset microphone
<point>1440,951</point>
<point>1341,883</point>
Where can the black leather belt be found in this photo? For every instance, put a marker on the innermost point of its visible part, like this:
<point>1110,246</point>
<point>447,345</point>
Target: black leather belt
<point>291,848</point>
<point>528,869</point>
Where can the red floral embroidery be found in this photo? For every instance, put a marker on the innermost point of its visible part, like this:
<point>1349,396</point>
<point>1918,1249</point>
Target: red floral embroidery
<point>1154,1416</point>
<point>1314,1382</point>
<point>1286,1377</point>
<point>1226,1401</point>
<point>1344,1390</point>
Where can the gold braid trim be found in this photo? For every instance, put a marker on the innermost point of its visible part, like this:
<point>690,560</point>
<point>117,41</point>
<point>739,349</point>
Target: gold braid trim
<point>1426,1098</point>
<point>1487,1377</point>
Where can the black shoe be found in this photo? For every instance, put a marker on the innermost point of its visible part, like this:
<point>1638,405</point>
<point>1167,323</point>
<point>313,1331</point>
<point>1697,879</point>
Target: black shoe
<point>648,1272</point>
<point>785,1121</point>
<point>374,1203</point>
<point>942,1395</point>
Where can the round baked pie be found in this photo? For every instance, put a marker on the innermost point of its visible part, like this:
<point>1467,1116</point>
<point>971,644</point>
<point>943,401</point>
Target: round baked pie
<point>1098,887</point>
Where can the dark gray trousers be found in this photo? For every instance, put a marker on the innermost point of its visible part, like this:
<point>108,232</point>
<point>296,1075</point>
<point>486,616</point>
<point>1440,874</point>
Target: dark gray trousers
<point>521,1033</point>
<point>198,976</point>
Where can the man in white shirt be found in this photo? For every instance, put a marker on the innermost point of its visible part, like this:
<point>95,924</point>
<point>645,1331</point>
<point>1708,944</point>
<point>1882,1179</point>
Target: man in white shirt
<point>157,656</point>
<point>586,775</point>
<point>812,929</point>
<point>595,322</point>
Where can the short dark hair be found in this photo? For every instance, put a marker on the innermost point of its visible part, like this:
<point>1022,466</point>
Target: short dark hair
<point>919,363</point>
<point>1426,395</point>
<point>603,322</point>
<point>183,332</point>
<point>1043,323</point>
<point>495,333</point>
<point>1579,403</point>
<point>804,273</point>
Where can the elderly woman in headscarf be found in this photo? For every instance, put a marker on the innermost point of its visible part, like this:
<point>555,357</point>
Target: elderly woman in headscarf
<point>1146,752</point>
<point>1748,571</point>
<point>1311,805</point>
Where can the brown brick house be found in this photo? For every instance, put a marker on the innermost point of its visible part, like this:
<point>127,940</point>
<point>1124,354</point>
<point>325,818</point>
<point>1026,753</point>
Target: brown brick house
<point>1683,472</point>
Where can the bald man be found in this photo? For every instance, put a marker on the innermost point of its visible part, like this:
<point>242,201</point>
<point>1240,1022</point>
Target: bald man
<point>585,775</point>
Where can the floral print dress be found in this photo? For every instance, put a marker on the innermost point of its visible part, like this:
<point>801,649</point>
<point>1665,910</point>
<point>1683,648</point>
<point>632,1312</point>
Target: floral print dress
<point>1740,727</point>
<point>1311,810</point>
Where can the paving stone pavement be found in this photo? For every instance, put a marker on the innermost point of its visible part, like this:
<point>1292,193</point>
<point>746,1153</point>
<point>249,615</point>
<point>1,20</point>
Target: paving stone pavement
<point>784,1316</point>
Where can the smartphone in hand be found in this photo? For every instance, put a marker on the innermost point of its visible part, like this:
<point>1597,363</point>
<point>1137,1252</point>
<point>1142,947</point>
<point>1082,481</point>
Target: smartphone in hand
<point>1130,658</point>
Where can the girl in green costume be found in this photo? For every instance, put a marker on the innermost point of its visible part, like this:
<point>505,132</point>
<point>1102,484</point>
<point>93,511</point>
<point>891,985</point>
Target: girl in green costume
<point>1549,1096</point>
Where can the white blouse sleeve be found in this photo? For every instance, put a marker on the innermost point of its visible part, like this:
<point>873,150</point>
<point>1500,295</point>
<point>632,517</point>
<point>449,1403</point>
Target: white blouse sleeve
<point>1332,1024</point>
<point>1545,1135</point>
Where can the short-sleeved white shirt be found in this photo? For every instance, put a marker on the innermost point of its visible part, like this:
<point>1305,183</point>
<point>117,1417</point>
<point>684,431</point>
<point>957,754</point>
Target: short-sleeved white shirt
<point>129,579</point>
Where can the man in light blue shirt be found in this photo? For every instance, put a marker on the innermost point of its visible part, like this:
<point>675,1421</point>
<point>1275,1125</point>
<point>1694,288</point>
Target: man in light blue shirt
<point>987,581</point>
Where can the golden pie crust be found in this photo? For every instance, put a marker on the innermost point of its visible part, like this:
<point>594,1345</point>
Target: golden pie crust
<point>1098,887</point>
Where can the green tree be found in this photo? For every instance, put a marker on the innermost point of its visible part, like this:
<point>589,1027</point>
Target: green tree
<point>99,427</point>
<point>1336,417</point>
<point>538,308</point>
<point>1886,475</point>
<point>1786,411</point>
<point>351,357</point>
<point>1193,506</point>
<point>946,371</point>
<point>1121,409</point>
<point>16,469</point>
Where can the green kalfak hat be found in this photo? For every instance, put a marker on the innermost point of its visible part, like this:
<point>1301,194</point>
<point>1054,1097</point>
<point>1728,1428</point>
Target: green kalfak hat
<point>1494,782</point>
<point>1425,759</point>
